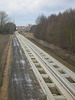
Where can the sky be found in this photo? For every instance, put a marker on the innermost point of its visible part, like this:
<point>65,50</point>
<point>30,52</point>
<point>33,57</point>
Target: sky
<point>24,12</point>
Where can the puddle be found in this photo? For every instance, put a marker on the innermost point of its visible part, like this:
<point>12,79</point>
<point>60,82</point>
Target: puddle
<point>15,42</point>
<point>20,52</point>
<point>28,78</point>
<point>15,79</point>
<point>29,81</point>
<point>23,62</point>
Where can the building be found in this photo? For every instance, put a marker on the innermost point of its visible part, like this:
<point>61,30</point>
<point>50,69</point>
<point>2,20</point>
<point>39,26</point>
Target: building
<point>28,27</point>
<point>25,28</point>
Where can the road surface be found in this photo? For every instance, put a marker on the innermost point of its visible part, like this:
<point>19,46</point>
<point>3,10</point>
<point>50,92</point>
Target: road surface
<point>22,82</point>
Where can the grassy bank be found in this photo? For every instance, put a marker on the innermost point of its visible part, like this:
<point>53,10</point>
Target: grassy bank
<point>4,39</point>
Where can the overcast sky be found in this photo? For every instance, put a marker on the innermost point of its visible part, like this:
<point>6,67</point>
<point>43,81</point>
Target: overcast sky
<point>26,11</point>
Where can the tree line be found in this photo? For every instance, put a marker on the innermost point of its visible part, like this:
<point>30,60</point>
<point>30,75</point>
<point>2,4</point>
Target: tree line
<point>57,29</point>
<point>6,26</point>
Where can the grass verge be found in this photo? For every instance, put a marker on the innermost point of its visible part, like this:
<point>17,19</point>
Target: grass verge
<point>4,43</point>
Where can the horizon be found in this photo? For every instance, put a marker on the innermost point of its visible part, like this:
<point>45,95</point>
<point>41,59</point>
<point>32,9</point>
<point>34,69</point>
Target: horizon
<point>24,12</point>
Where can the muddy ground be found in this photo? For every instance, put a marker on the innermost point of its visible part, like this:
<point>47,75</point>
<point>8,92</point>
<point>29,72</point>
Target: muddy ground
<point>22,82</point>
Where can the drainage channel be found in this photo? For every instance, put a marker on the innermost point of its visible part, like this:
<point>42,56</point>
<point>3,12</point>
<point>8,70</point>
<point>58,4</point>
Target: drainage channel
<point>64,75</point>
<point>51,87</point>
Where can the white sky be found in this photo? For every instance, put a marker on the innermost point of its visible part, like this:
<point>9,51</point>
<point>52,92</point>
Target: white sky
<point>26,11</point>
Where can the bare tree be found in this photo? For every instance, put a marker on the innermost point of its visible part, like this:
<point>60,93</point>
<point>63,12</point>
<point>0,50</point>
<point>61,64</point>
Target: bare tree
<point>57,29</point>
<point>40,19</point>
<point>10,27</point>
<point>3,19</point>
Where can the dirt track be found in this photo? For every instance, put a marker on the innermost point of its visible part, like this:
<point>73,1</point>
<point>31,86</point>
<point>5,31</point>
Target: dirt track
<point>22,82</point>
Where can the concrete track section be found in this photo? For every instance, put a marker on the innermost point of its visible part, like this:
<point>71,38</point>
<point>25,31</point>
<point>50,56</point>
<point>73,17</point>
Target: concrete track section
<point>22,83</point>
<point>55,79</point>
